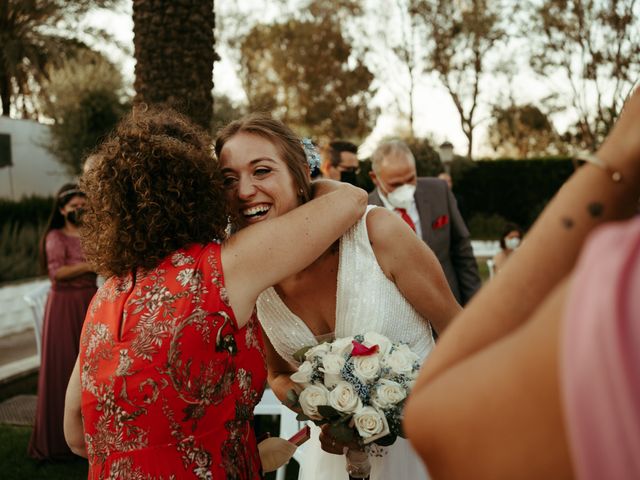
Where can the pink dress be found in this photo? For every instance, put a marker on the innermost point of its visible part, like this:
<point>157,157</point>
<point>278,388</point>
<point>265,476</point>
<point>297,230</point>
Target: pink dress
<point>601,356</point>
<point>63,318</point>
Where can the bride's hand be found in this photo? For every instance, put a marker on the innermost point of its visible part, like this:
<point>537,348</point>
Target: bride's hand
<point>331,445</point>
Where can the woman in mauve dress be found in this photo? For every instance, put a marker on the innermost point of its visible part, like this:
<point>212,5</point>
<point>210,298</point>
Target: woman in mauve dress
<point>73,284</point>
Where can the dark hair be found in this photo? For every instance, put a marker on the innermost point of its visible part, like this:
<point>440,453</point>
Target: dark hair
<point>155,189</point>
<point>339,146</point>
<point>508,228</point>
<point>56,220</point>
<point>289,145</point>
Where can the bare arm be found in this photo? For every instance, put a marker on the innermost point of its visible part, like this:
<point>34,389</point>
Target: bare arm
<point>263,254</point>
<point>67,272</point>
<point>73,428</point>
<point>279,372</point>
<point>588,199</point>
<point>413,267</point>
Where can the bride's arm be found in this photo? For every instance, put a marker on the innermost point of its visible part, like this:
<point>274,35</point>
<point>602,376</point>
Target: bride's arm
<point>412,266</point>
<point>279,371</point>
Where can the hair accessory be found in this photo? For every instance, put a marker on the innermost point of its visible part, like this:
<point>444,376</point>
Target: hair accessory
<point>311,152</point>
<point>71,191</point>
<point>616,176</point>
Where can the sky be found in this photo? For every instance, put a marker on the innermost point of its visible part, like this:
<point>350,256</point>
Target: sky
<point>436,115</point>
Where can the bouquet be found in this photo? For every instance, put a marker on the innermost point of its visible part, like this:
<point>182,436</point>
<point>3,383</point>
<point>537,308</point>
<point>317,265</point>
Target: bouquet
<point>358,386</point>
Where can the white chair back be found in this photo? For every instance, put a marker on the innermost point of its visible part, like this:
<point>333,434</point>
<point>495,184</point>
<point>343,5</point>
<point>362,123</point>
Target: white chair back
<point>37,300</point>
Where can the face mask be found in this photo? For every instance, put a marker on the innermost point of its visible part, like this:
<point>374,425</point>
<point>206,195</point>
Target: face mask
<point>512,243</point>
<point>349,176</point>
<point>402,197</point>
<point>74,217</point>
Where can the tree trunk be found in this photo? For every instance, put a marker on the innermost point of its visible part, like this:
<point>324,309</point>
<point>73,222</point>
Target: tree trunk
<point>174,51</point>
<point>5,94</point>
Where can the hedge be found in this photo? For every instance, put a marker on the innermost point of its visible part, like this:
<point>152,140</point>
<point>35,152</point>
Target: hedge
<point>515,190</point>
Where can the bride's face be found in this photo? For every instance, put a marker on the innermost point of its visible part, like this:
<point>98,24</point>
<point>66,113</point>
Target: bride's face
<point>258,182</point>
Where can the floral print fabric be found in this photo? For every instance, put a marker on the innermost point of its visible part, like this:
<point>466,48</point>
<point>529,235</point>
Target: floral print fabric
<point>169,382</point>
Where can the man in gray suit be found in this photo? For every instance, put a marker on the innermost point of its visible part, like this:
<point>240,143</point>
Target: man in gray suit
<point>429,207</point>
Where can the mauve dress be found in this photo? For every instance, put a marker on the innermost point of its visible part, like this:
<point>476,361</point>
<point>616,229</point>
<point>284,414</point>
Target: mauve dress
<point>64,314</point>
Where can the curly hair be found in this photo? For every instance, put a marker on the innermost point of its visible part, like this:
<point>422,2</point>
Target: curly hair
<point>153,187</point>
<point>276,132</point>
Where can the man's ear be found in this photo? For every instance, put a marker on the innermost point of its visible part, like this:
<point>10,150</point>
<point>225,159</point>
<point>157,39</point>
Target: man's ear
<point>374,178</point>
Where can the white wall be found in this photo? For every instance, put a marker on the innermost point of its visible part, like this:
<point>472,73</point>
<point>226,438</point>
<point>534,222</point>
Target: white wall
<point>35,171</point>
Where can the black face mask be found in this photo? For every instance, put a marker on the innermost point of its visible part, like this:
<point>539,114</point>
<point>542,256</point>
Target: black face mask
<point>349,176</point>
<point>75,217</point>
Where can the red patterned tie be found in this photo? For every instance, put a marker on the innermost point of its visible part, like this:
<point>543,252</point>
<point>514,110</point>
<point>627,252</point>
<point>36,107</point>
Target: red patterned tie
<point>405,216</point>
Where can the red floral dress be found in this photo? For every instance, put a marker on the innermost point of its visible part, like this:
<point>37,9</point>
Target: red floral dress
<point>172,395</point>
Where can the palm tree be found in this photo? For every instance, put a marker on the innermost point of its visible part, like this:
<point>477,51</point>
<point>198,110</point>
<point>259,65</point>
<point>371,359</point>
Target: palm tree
<point>35,34</point>
<point>174,51</point>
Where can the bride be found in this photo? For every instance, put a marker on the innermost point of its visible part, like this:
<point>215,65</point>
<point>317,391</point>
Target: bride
<point>378,277</point>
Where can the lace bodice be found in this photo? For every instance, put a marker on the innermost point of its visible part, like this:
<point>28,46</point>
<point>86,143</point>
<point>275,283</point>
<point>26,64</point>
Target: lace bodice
<point>366,301</point>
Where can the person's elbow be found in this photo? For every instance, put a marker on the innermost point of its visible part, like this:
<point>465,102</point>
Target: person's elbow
<point>76,444</point>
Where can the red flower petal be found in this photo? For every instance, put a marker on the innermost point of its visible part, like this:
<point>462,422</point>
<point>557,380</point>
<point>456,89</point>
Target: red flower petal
<point>360,350</point>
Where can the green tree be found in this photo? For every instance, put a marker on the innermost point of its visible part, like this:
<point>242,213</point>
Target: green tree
<point>464,37</point>
<point>594,45</point>
<point>225,111</point>
<point>523,131</point>
<point>35,34</point>
<point>174,51</point>
<point>85,99</point>
<point>303,71</point>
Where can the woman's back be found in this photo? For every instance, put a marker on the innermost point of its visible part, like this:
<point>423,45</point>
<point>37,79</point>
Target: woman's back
<point>172,391</point>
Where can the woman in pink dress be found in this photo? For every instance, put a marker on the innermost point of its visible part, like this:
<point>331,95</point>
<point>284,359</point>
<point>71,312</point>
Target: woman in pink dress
<point>73,284</point>
<point>540,376</point>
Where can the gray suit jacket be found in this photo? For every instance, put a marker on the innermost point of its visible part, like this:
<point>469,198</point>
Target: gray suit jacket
<point>450,240</point>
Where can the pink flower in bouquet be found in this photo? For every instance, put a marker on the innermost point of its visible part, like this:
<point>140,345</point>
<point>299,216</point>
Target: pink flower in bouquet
<point>360,350</point>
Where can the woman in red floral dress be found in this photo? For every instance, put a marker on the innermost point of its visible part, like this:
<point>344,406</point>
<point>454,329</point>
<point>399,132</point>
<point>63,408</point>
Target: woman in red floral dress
<point>171,359</point>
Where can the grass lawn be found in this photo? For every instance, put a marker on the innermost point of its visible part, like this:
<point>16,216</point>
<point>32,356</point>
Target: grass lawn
<point>16,465</point>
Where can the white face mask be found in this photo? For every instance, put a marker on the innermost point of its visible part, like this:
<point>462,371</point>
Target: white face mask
<point>512,243</point>
<point>402,197</point>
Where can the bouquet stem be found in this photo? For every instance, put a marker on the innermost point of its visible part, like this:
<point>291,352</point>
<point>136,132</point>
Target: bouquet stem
<point>358,465</point>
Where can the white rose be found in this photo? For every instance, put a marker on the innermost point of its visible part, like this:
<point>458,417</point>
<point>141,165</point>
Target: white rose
<point>312,397</point>
<point>367,367</point>
<point>332,367</point>
<point>401,360</point>
<point>374,338</point>
<point>318,351</point>
<point>388,393</point>
<point>371,424</point>
<point>303,375</point>
<point>344,398</point>
<point>342,346</point>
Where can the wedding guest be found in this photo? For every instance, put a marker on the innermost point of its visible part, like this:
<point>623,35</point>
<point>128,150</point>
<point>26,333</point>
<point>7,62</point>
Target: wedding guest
<point>509,241</point>
<point>538,377</point>
<point>428,206</point>
<point>73,285</point>
<point>340,162</point>
<point>171,363</point>
<point>378,277</point>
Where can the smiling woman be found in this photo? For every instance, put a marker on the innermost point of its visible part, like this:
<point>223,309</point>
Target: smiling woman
<point>376,272</point>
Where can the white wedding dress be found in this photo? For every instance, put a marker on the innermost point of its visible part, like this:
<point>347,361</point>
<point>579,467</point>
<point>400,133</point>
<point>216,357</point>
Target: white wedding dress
<point>366,301</point>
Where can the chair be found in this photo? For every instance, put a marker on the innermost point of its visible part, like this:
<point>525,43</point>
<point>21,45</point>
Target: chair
<point>289,425</point>
<point>37,300</point>
<point>491,265</point>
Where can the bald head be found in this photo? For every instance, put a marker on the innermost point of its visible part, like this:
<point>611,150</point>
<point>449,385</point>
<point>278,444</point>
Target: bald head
<point>392,152</point>
<point>393,165</point>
